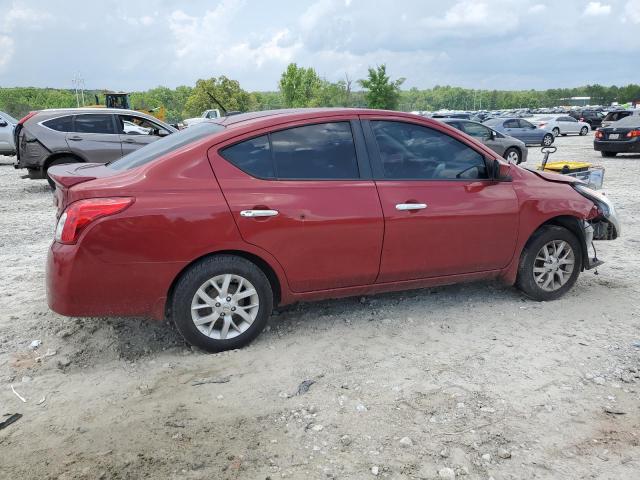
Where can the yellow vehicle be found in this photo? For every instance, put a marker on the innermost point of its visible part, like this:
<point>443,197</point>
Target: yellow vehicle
<point>121,100</point>
<point>587,172</point>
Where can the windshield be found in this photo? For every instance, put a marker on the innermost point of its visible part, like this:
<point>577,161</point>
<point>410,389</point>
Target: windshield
<point>165,145</point>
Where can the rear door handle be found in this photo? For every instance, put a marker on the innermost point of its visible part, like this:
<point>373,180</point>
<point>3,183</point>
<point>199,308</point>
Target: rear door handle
<point>411,206</point>
<point>258,213</point>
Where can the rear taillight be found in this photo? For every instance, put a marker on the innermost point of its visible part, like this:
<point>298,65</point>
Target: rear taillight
<point>599,134</point>
<point>542,124</point>
<point>81,213</point>
<point>633,133</point>
<point>26,117</point>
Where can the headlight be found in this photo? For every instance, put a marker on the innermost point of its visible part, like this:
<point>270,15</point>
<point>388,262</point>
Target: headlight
<point>602,202</point>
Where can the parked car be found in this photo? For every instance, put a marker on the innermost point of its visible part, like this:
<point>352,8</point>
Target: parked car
<point>592,117</point>
<point>507,147</point>
<point>206,115</point>
<point>7,124</point>
<point>216,224</point>
<point>563,125</point>
<point>99,135</point>
<point>622,136</point>
<point>618,115</point>
<point>521,129</point>
<point>465,116</point>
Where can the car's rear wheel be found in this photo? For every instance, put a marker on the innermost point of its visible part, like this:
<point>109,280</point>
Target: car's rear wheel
<point>550,263</point>
<point>513,155</point>
<point>222,303</point>
<point>556,131</point>
<point>608,154</point>
<point>58,161</point>
<point>584,131</point>
<point>547,140</point>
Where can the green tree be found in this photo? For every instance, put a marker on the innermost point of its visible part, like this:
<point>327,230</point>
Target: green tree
<point>381,91</point>
<point>300,87</point>
<point>226,91</point>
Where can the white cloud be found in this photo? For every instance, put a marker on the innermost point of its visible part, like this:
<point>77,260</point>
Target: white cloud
<point>595,9</point>
<point>21,16</point>
<point>470,17</point>
<point>632,11</point>
<point>537,8</point>
<point>6,51</point>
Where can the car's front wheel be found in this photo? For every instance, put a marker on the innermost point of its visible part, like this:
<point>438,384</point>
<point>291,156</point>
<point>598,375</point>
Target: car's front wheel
<point>221,303</point>
<point>550,263</point>
<point>513,155</point>
<point>584,131</point>
<point>547,140</point>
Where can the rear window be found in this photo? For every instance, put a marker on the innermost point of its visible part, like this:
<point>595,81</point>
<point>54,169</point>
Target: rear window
<point>60,124</point>
<point>165,145</point>
<point>615,116</point>
<point>252,156</point>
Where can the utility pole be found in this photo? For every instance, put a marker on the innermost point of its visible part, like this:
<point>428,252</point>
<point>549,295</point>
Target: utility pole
<point>78,83</point>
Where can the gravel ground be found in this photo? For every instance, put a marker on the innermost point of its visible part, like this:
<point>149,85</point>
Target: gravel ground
<point>471,381</point>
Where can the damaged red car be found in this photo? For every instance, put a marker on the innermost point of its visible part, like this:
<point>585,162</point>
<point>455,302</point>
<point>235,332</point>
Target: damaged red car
<point>217,224</point>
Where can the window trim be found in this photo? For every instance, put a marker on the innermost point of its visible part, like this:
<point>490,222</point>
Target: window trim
<point>360,150</point>
<point>378,169</point>
<point>73,123</point>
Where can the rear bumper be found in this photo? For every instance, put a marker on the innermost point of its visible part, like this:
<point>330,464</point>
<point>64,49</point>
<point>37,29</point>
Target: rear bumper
<point>79,285</point>
<point>621,146</point>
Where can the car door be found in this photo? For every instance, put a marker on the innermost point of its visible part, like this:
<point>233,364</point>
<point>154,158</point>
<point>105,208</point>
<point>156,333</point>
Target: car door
<point>443,215</point>
<point>572,125</point>
<point>529,132</point>
<point>304,193</point>
<point>512,128</point>
<point>136,132</point>
<point>93,137</point>
<point>485,135</point>
<point>6,135</point>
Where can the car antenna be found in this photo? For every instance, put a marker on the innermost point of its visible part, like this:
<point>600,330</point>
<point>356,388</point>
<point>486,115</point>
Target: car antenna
<point>224,110</point>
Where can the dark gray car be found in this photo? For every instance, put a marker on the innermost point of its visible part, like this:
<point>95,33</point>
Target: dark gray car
<point>101,135</point>
<point>508,147</point>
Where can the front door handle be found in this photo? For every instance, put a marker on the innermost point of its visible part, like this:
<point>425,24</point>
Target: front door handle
<point>75,138</point>
<point>411,206</point>
<point>129,140</point>
<point>258,213</point>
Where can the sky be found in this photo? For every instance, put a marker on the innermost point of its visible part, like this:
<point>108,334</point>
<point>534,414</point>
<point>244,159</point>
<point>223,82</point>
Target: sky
<point>489,44</point>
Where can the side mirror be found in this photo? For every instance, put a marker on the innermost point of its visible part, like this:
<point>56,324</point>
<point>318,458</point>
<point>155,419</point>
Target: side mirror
<point>161,132</point>
<point>500,171</point>
<point>492,135</point>
<point>3,123</point>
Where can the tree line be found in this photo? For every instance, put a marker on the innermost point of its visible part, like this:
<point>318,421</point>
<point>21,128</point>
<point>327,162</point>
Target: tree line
<point>304,87</point>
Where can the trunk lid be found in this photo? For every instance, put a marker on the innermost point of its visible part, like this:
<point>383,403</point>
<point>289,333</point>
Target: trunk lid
<point>68,175</point>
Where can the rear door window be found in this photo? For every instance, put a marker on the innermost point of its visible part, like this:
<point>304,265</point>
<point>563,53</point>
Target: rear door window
<point>513,123</point>
<point>93,124</point>
<point>409,151</point>
<point>252,156</point>
<point>324,151</point>
<point>60,124</point>
<point>476,130</point>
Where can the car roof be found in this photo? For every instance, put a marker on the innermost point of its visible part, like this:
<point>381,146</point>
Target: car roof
<point>92,110</point>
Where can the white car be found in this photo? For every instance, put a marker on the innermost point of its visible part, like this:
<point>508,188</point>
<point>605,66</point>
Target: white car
<point>563,125</point>
<point>206,115</point>
<point>7,125</point>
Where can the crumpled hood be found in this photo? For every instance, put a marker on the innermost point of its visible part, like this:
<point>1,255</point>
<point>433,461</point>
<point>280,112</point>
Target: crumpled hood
<point>556,177</point>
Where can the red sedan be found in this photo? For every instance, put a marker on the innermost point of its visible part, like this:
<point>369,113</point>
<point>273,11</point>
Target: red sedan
<point>216,224</point>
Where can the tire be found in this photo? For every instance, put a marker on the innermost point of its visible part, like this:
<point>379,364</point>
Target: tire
<point>513,155</point>
<point>58,161</point>
<point>547,140</point>
<point>532,283</point>
<point>555,131</point>
<point>584,131</point>
<point>608,154</point>
<point>224,310</point>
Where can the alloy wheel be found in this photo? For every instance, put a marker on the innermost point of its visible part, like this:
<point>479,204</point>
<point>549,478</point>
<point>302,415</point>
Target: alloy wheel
<point>225,306</point>
<point>513,157</point>
<point>547,140</point>
<point>553,265</point>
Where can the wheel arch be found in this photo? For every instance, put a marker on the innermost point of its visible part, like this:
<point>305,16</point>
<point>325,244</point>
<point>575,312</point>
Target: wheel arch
<point>571,223</point>
<point>54,156</point>
<point>259,262</point>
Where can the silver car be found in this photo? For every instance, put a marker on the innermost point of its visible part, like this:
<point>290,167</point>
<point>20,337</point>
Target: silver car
<point>512,149</point>
<point>7,124</point>
<point>53,137</point>
<point>563,125</point>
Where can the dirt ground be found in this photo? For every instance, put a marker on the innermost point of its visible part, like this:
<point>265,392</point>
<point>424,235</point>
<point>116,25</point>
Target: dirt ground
<point>471,382</point>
